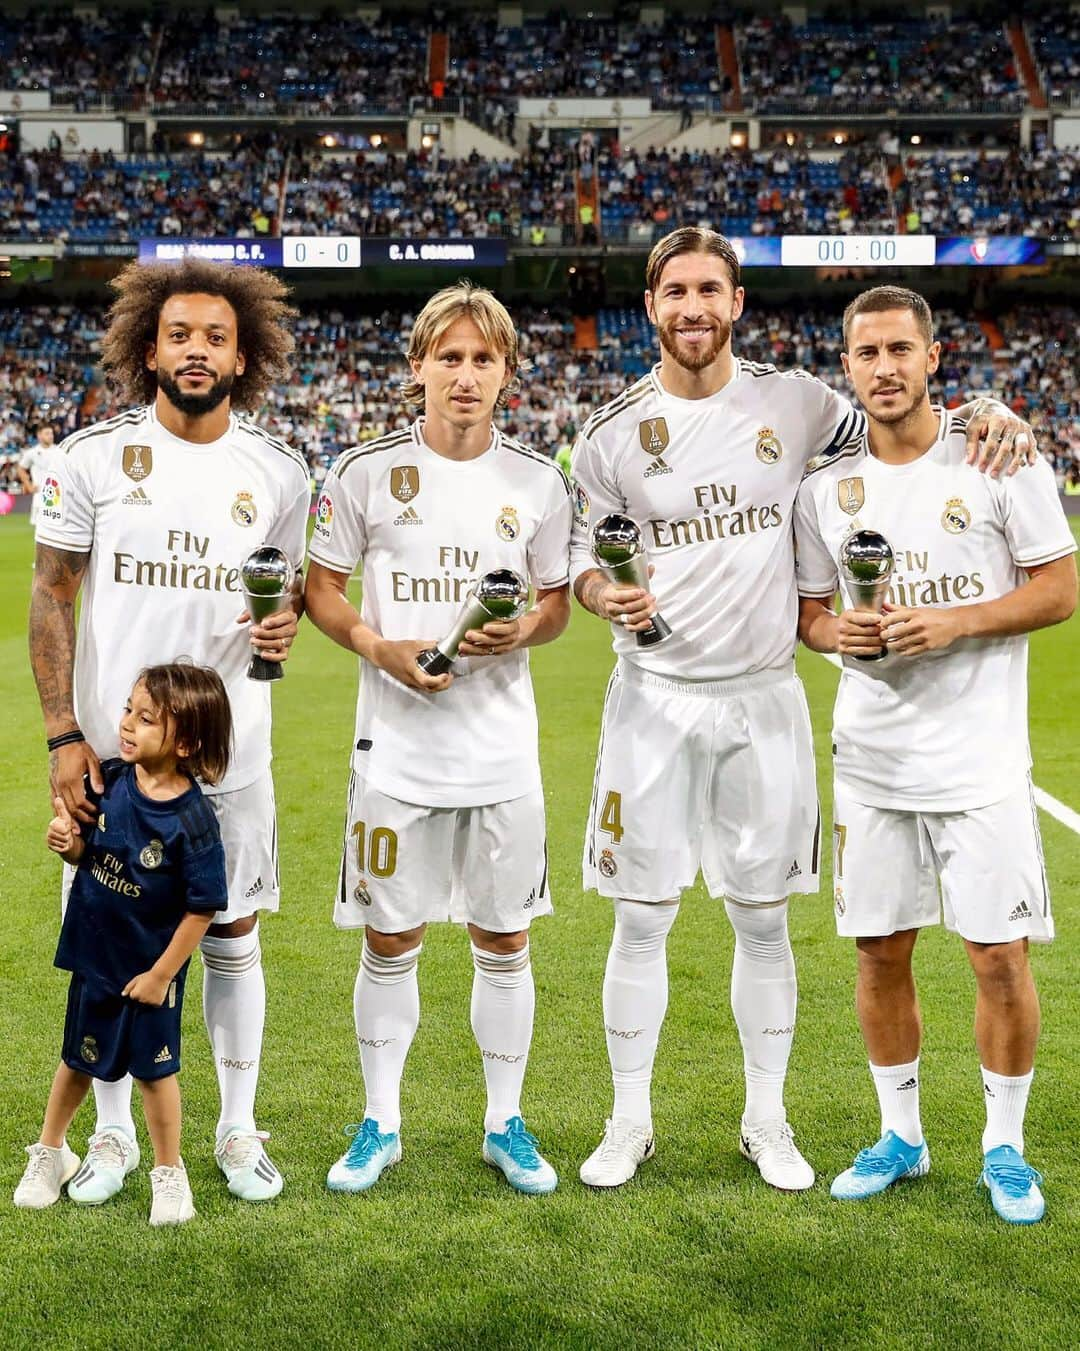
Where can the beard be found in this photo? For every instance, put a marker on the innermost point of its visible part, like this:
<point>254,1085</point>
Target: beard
<point>697,358</point>
<point>195,405</point>
<point>893,416</point>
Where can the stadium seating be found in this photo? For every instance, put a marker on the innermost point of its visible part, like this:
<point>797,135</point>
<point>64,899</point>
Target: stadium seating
<point>347,371</point>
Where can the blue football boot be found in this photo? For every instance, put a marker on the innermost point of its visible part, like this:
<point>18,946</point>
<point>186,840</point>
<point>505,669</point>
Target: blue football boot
<point>1013,1186</point>
<point>877,1168</point>
<point>362,1164</point>
<point>514,1153</point>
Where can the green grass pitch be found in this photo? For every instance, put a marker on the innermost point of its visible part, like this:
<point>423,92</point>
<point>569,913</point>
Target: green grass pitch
<point>697,1251</point>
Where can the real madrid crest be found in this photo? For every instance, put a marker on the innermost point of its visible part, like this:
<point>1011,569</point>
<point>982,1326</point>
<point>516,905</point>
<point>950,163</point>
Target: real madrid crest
<point>955,518</point>
<point>152,855</point>
<point>507,526</point>
<point>768,448</point>
<point>361,893</point>
<point>89,1050</point>
<point>851,495</point>
<point>243,509</point>
<point>607,864</point>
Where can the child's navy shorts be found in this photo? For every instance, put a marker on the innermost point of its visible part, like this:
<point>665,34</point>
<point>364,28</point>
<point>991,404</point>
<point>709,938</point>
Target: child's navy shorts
<point>108,1036</point>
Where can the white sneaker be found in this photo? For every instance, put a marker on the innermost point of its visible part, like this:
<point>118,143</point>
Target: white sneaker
<point>616,1158</point>
<point>771,1146</point>
<point>248,1168</point>
<point>173,1202</point>
<point>46,1172</point>
<point>110,1155</point>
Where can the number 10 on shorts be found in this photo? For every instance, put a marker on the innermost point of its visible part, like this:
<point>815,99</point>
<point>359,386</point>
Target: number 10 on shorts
<point>375,854</point>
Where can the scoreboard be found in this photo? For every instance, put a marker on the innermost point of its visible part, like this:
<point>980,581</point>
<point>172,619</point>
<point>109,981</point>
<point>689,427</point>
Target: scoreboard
<point>344,252</point>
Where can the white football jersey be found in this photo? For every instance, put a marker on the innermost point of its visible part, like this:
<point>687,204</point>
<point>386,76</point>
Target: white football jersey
<point>167,524</point>
<point>426,528</point>
<point>712,483</point>
<point>37,460</point>
<point>947,730</point>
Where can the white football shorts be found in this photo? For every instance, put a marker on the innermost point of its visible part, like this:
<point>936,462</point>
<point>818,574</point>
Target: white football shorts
<point>247,819</point>
<point>887,866</point>
<point>711,775</point>
<point>404,864</point>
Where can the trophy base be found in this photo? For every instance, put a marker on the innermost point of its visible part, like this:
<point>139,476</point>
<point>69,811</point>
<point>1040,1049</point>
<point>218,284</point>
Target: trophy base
<point>261,669</point>
<point>433,662</point>
<point>657,632</point>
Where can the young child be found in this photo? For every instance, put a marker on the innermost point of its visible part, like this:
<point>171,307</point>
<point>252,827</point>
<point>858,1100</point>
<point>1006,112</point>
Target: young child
<point>150,875</point>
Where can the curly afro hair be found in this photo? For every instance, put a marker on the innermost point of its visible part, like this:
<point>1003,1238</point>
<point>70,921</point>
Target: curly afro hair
<point>262,318</point>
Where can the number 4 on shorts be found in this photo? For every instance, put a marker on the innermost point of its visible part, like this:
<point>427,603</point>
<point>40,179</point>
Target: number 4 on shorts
<point>611,817</point>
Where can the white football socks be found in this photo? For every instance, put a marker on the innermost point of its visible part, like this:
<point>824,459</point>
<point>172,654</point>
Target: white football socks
<point>635,1001</point>
<point>763,1000</point>
<point>112,1102</point>
<point>386,1009</point>
<point>898,1097</point>
<point>234,1008</point>
<point>503,1000</point>
<point>1006,1102</point>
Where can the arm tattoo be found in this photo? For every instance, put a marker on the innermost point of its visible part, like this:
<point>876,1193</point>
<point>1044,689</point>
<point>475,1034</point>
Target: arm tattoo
<point>588,588</point>
<point>57,576</point>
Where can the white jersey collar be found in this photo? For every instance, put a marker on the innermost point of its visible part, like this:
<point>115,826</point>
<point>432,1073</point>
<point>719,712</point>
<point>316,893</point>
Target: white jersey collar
<point>719,396</point>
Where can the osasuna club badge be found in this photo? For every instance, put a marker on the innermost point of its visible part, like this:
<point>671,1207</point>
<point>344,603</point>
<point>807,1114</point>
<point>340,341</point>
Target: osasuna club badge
<point>404,482</point>
<point>955,518</point>
<point>768,448</point>
<point>137,462</point>
<point>654,436</point>
<point>851,495</point>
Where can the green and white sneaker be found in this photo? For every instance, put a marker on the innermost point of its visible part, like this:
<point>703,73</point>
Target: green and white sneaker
<point>250,1171</point>
<point>46,1172</point>
<point>366,1159</point>
<point>111,1154</point>
<point>515,1154</point>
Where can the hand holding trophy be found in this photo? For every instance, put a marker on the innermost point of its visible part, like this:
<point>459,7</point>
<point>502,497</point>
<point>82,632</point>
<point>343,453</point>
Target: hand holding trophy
<point>866,562</point>
<point>619,551</point>
<point>267,577</point>
<point>499,595</point>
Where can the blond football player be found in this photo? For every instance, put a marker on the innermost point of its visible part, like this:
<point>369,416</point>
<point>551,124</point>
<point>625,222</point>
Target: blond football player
<point>931,760</point>
<point>150,514</point>
<point>446,811</point>
<point>705,759</point>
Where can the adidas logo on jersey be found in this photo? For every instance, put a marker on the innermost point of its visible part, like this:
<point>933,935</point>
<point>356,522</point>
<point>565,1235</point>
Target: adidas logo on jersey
<point>162,1056</point>
<point>657,467</point>
<point>409,517</point>
<point>138,498</point>
<point>254,889</point>
<point>1021,912</point>
<point>794,870</point>
<point>908,1083</point>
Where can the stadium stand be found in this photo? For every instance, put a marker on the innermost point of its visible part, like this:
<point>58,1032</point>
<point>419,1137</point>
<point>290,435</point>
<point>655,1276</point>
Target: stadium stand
<point>1054,39</point>
<point>955,65</point>
<point>348,369</point>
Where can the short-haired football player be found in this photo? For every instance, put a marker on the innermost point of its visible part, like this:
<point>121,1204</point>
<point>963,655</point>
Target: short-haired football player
<point>705,759</point>
<point>931,758</point>
<point>446,811</point>
<point>150,514</point>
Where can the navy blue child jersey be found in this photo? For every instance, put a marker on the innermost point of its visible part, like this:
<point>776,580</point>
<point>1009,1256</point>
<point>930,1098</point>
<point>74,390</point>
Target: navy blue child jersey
<point>145,866</point>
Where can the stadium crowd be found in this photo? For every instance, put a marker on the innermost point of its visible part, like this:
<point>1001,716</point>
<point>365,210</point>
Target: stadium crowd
<point>45,195</point>
<point>348,371</point>
<point>356,64</point>
<point>957,64</point>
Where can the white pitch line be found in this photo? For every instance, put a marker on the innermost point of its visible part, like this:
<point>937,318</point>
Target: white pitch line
<point>1043,799</point>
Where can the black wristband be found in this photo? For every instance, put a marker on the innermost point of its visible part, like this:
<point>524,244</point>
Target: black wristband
<point>65,739</point>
